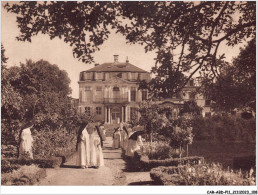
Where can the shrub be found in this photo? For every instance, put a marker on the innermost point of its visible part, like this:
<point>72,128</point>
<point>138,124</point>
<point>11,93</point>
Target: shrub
<point>204,174</point>
<point>144,163</point>
<point>159,151</point>
<point>26,175</point>
<point>244,162</point>
<point>224,128</point>
<point>53,143</point>
<point>12,164</point>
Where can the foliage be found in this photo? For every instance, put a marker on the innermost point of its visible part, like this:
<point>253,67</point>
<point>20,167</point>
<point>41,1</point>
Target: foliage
<point>203,174</point>
<point>159,151</point>
<point>49,143</point>
<point>195,29</point>
<point>44,91</point>
<point>26,175</point>
<point>147,164</point>
<point>192,30</point>
<point>152,117</point>
<point>236,86</point>
<point>179,133</point>
<point>10,102</point>
<point>191,107</point>
<point>82,25</point>
<point>224,129</point>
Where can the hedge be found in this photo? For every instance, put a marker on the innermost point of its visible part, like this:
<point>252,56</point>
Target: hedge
<point>244,162</point>
<point>204,174</point>
<point>143,162</point>
<point>8,165</point>
<point>26,175</point>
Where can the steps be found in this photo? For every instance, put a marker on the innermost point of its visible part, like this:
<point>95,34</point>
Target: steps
<point>110,129</point>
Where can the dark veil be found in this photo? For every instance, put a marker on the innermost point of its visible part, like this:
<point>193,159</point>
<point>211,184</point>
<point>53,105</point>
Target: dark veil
<point>83,125</point>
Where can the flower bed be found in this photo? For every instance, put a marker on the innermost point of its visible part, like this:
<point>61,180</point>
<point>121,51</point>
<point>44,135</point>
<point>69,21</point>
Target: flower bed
<point>146,164</point>
<point>200,175</point>
<point>26,175</point>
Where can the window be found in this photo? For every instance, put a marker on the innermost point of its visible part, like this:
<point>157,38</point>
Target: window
<point>80,96</point>
<point>134,75</point>
<point>207,114</point>
<point>144,95</point>
<point>87,110</point>
<point>99,76</point>
<point>87,88</point>
<point>133,94</point>
<point>99,88</point>
<point>87,75</point>
<point>116,89</point>
<point>98,110</point>
<point>207,102</point>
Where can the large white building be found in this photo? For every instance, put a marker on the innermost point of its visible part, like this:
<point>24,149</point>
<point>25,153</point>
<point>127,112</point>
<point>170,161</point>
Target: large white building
<point>110,92</point>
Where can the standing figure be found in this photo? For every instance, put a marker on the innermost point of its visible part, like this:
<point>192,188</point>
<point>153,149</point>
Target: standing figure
<point>25,149</point>
<point>83,147</point>
<point>96,154</point>
<point>135,143</point>
<point>129,141</point>
<point>116,138</point>
<point>102,133</point>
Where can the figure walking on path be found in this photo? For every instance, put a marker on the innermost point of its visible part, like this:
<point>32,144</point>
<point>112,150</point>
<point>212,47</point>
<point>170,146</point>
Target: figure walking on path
<point>117,138</point>
<point>25,149</point>
<point>96,154</point>
<point>135,143</point>
<point>83,147</point>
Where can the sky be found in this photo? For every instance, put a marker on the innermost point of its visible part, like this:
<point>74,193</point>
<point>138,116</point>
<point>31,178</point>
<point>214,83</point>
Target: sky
<point>57,52</point>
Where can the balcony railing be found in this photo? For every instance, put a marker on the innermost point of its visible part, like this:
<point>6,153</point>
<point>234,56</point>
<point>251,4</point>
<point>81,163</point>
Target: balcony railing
<point>110,100</point>
<point>115,100</point>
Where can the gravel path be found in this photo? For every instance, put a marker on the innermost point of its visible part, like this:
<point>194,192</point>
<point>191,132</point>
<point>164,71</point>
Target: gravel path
<point>114,172</point>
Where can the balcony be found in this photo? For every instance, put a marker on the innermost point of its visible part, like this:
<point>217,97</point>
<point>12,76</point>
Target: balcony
<point>115,100</point>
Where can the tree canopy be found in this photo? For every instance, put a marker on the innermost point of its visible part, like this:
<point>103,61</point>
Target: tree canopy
<point>186,35</point>
<point>236,86</point>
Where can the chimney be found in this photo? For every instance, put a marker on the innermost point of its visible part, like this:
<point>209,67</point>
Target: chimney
<point>96,65</point>
<point>116,58</point>
<point>127,59</point>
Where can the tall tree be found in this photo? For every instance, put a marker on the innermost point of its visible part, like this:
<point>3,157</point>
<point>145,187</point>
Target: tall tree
<point>10,102</point>
<point>186,35</point>
<point>236,87</point>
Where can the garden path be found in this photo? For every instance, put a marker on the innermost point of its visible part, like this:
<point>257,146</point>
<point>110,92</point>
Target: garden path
<point>114,172</point>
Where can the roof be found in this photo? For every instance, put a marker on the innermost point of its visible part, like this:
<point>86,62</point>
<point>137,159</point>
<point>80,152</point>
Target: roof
<point>116,67</point>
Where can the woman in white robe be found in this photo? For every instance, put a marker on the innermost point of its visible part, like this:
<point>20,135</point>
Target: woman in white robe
<point>134,145</point>
<point>129,141</point>
<point>117,139</point>
<point>96,154</point>
<point>25,149</point>
<point>83,147</point>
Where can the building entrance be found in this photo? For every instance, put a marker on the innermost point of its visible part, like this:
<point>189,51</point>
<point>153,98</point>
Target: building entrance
<point>116,115</point>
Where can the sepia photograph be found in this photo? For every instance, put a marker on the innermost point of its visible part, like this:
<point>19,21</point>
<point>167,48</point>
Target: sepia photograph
<point>128,93</point>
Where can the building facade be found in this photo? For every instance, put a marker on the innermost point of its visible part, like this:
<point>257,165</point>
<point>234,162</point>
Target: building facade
<point>189,92</point>
<point>110,91</point>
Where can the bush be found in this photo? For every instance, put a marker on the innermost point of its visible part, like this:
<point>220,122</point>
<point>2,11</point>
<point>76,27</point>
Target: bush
<point>244,162</point>
<point>13,164</point>
<point>26,175</point>
<point>48,143</point>
<point>224,129</point>
<point>200,175</point>
<point>144,163</point>
<point>159,151</point>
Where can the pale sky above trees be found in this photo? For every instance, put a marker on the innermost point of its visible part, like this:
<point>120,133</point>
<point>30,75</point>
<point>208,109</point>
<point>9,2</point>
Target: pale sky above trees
<point>57,52</point>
